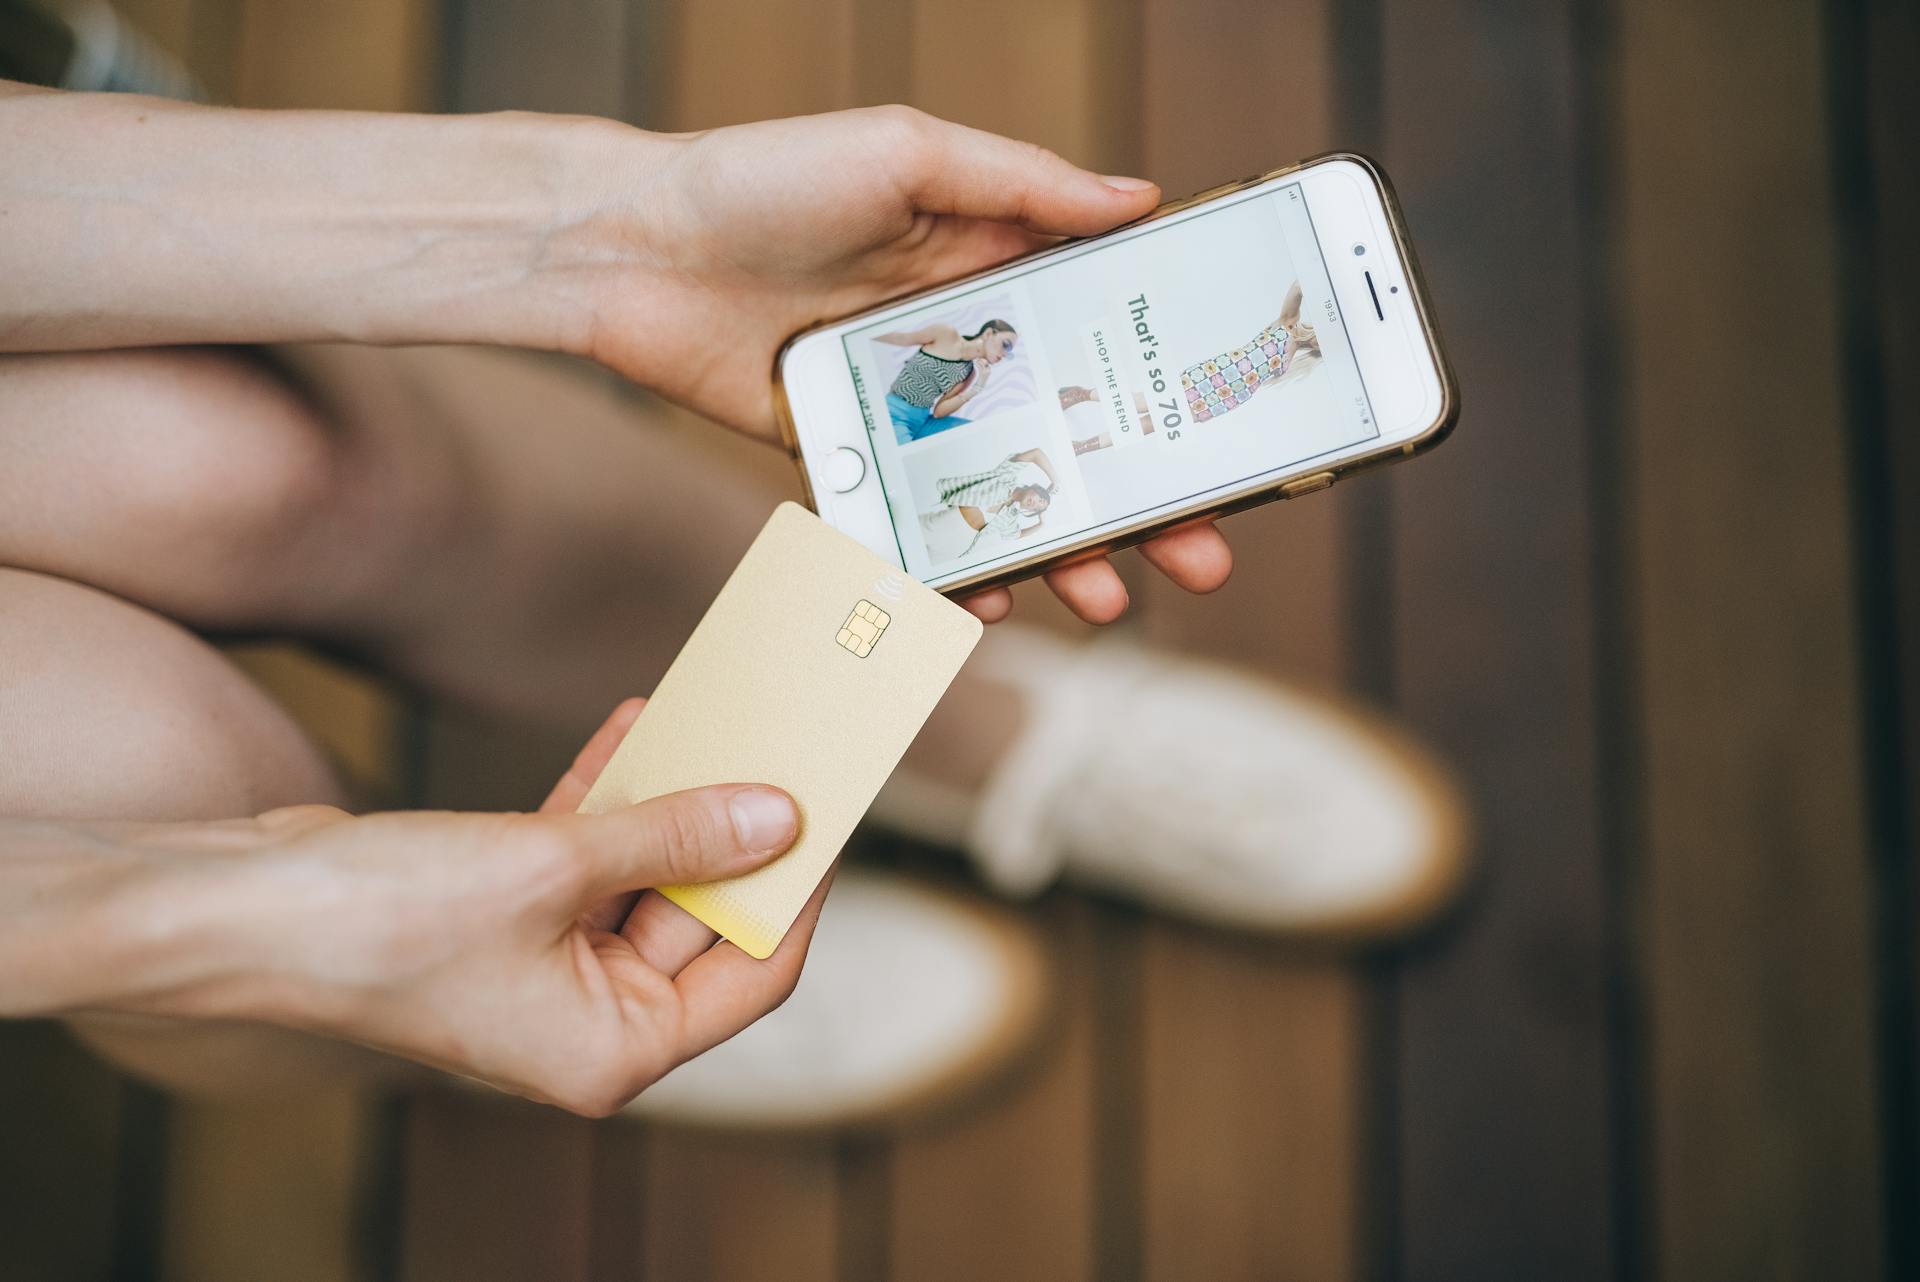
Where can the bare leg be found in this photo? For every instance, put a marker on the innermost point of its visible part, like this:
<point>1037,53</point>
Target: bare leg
<point>108,711</point>
<point>499,529</point>
<point>492,528</point>
<point>513,533</point>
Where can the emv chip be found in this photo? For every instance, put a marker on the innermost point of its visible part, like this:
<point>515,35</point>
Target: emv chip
<point>863,627</point>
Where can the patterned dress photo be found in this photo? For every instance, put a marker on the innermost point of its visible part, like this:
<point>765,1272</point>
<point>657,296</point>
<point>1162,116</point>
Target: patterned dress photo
<point>1215,386</point>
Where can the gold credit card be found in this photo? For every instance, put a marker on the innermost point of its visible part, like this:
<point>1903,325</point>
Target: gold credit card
<point>813,670</point>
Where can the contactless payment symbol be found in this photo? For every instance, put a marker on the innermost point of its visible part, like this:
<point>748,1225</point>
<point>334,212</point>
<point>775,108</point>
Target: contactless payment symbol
<point>889,586</point>
<point>863,627</point>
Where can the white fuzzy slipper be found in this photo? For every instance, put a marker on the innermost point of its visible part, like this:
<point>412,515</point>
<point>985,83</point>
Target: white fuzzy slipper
<point>911,997</point>
<point>1202,791</point>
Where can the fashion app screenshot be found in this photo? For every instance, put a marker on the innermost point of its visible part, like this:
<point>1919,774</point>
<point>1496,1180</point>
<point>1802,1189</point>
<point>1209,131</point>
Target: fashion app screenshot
<point>1185,358</point>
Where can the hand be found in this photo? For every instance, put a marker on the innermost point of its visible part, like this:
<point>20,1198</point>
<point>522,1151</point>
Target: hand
<point>742,236</point>
<point>753,232</point>
<point>518,949</point>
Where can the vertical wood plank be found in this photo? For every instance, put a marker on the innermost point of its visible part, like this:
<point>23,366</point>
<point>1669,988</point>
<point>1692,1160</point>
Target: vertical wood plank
<point>269,1187</point>
<point>740,60</point>
<point>60,1156</point>
<point>1502,1144</point>
<point>1002,1189</point>
<point>883,51</point>
<point>1251,1134</point>
<point>1889,466</point>
<point>1756,892</point>
<point>79,1186</point>
<point>215,54</point>
<point>1251,1060</point>
<point>1028,69</point>
<point>1263,1186</point>
<point>495,1190</point>
<point>370,55</point>
<point>1893,44</point>
<point>720,1208</point>
<point>714,64</point>
<point>538,55</point>
<point>263,1188</point>
<point>201,33</point>
<point>1282,610</point>
<point>1012,1188</point>
<point>617,1231</point>
<point>169,23</point>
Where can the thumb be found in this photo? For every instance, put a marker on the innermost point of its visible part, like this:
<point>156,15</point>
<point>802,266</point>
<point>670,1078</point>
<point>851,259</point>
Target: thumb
<point>975,174</point>
<point>702,834</point>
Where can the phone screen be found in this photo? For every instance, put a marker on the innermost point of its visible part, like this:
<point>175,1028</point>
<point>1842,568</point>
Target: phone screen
<point>1144,372</point>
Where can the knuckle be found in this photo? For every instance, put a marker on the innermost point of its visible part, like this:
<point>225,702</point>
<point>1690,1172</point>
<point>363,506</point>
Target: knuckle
<point>781,995</point>
<point>897,115</point>
<point>1042,157</point>
<point>688,831</point>
<point>907,128</point>
<point>787,978</point>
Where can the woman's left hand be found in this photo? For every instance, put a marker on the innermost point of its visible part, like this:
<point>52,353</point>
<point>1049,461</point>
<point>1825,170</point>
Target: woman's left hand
<point>747,234</point>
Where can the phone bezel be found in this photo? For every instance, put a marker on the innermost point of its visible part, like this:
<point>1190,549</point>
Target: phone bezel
<point>1308,477</point>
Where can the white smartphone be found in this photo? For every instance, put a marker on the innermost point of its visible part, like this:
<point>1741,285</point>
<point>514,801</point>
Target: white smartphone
<point>1254,342</point>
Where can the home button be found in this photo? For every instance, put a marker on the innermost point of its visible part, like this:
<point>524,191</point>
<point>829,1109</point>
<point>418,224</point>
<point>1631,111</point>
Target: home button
<point>844,469</point>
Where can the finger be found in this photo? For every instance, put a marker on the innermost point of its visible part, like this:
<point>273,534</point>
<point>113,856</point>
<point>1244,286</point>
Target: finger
<point>579,780</point>
<point>666,936</point>
<point>991,606</point>
<point>575,784</point>
<point>975,174</point>
<point>702,834</point>
<point>1196,558</point>
<point>611,912</point>
<point>723,990</point>
<point>1091,589</point>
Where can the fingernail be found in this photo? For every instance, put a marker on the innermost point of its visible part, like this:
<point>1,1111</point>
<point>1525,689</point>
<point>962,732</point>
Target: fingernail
<point>1126,184</point>
<point>763,819</point>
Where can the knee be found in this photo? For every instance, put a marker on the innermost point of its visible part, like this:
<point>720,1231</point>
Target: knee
<point>111,712</point>
<point>194,457</point>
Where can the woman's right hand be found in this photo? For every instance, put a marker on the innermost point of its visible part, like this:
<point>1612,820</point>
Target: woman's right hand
<point>523,950</point>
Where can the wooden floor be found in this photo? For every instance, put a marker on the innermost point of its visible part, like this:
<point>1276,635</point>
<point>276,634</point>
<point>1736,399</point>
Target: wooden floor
<point>1658,602</point>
